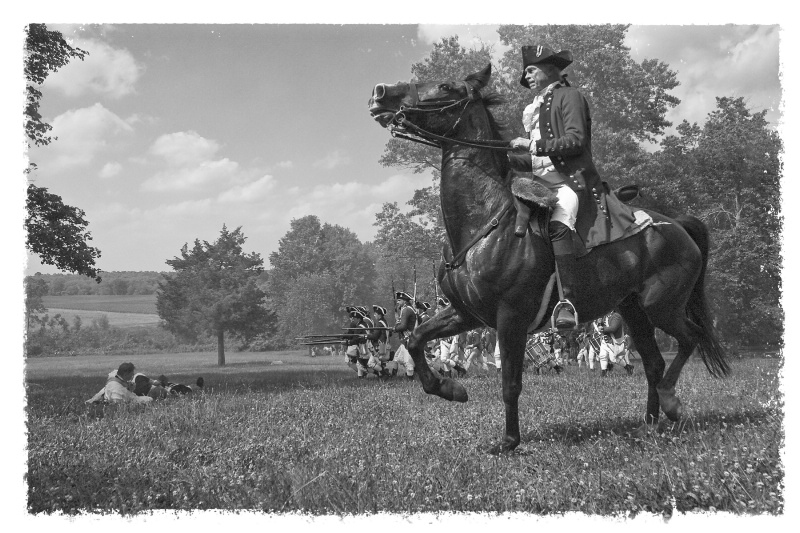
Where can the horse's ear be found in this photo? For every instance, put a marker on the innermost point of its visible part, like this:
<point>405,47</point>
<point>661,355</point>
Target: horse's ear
<point>480,79</point>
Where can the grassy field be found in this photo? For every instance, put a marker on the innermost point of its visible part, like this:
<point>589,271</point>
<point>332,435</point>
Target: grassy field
<point>139,304</point>
<point>120,311</point>
<point>283,432</point>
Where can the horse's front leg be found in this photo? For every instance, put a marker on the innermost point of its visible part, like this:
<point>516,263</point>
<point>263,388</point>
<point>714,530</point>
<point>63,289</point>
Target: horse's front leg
<point>512,335</point>
<point>444,324</point>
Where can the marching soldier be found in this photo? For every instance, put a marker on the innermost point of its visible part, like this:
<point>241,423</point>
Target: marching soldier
<point>353,353</point>
<point>379,352</point>
<point>405,322</point>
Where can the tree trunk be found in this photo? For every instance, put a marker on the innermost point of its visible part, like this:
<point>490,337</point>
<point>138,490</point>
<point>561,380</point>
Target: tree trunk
<point>221,347</point>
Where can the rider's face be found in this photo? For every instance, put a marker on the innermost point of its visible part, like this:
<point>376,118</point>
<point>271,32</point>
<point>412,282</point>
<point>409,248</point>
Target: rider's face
<point>537,78</point>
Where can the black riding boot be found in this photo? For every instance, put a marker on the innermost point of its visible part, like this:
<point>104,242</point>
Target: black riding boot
<point>561,238</point>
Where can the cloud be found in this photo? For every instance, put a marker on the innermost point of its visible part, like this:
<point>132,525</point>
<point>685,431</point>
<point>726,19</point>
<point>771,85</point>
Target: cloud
<point>250,192</point>
<point>104,71</point>
<point>712,61</point>
<point>285,164</point>
<point>82,134</point>
<point>332,160</point>
<point>190,163</point>
<point>110,170</point>
<point>354,204</point>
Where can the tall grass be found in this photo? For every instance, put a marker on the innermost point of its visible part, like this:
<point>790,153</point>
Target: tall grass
<point>323,442</point>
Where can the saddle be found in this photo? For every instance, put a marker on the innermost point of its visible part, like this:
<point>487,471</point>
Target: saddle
<point>528,193</point>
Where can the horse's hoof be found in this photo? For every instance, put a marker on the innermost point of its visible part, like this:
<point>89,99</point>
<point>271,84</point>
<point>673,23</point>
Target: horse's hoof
<point>452,390</point>
<point>640,432</point>
<point>507,445</point>
<point>670,404</point>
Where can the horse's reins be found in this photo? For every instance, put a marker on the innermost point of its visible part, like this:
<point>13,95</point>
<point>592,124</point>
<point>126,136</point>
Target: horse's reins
<point>402,125</point>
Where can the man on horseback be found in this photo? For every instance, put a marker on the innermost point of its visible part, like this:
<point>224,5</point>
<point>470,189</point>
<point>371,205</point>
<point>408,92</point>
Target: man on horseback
<point>560,157</point>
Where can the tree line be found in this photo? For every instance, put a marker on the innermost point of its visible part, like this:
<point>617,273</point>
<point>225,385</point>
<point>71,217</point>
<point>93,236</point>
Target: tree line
<point>726,172</point>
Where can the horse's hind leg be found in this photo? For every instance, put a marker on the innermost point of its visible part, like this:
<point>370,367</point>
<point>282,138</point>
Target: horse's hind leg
<point>643,335</point>
<point>687,334</point>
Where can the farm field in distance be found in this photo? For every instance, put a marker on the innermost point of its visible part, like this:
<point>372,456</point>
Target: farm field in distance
<point>283,432</point>
<point>121,311</point>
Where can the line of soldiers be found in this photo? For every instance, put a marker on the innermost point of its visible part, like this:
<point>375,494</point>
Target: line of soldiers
<point>372,347</point>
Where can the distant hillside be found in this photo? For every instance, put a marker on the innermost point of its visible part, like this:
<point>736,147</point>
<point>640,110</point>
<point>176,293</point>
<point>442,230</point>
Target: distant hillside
<point>113,283</point>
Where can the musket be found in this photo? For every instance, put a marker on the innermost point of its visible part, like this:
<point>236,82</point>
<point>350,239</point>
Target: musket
<point>330,336</point>
<point>415,285</point>
<point>374,327</point>
<point>435,285</point>
<point>319,343</point>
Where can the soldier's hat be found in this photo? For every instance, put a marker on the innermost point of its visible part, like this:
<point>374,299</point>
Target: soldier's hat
<point>380,310</point>
<point>349,309</point>
<point>419,305</point>
<point>362,309</point>
<point>540,55</point>
<point>426,305</point>
<point>444,302</point>
<point>355,313</point>
<point>400,295</point>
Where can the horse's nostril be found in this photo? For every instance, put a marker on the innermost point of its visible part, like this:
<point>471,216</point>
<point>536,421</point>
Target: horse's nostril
<point>379,91</point>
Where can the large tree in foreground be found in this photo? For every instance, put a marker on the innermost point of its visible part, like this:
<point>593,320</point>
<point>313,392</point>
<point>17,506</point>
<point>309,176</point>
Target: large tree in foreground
<point>56,232</point>
<point>213,290</point>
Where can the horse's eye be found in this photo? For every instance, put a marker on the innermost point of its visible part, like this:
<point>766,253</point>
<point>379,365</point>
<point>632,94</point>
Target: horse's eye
<point>444,86</point>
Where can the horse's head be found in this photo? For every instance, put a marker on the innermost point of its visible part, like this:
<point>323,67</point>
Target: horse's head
<point>428,102</point>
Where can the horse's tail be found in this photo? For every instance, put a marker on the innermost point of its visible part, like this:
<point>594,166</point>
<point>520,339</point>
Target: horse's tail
<point>697,309</point>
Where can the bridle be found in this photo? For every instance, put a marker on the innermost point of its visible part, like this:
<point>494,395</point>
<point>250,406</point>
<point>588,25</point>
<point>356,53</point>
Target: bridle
<point>401,127</point>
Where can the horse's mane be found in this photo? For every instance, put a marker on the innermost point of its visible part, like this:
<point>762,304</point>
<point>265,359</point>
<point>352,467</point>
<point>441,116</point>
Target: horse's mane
<point>499,127</point>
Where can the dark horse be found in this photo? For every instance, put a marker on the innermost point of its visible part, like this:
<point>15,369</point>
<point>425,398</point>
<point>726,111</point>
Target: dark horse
<point>654,277</point>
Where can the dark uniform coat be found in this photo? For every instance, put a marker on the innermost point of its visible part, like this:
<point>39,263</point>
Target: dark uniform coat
<point>565,125</point>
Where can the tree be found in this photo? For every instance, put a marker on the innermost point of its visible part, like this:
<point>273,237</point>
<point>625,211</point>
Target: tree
<point>213,290</point>
<point>55,231</point>
<point>36,289</point>
<point>317,270</point>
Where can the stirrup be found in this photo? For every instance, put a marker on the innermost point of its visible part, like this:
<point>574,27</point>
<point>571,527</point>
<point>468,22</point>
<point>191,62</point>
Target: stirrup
<point>557,308</point>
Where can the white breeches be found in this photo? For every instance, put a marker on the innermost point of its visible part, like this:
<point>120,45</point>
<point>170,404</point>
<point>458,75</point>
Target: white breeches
<point>402,356</point>
<point>566,210</point>
<point>609,352</point>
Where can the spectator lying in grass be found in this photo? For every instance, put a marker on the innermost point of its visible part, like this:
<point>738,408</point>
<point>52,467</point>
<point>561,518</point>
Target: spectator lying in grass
<point>124,385</point>
<point>119,387</point>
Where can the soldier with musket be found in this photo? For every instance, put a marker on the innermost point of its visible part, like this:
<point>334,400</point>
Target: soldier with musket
<point>355,343</point>
<point>377,342</point>
<point>405,322</point>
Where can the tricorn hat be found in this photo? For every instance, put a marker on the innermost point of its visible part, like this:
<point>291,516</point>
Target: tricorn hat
<point>419,305</point>
<point>540,55</point>
<point>355,313</point>
<point>400,295</point>
<point>444,302</point>
<point>380,310</point>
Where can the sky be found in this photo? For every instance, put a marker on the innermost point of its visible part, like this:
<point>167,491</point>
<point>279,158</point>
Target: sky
<point>168,131</point>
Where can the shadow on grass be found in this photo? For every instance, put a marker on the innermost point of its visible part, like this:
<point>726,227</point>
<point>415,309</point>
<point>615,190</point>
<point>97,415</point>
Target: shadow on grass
<point>582,433</point>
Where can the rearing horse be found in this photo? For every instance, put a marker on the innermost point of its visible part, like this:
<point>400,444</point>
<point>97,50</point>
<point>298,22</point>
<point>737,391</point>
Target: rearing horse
<point>655,277</point>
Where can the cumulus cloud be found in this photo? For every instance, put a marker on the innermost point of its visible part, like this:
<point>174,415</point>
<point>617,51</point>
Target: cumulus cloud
<point>190,163</point>
<point>285,164</point>
<point>83,133</point>
<point>332,160</point>
<point>711,61</point>
<point>110,170</point>
<point>250,192</point>
<point>354,204</point>
<point>104,71</point>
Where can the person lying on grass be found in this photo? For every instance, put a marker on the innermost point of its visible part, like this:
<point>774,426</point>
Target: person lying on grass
<point>119,387</point>
<point>124,385</point>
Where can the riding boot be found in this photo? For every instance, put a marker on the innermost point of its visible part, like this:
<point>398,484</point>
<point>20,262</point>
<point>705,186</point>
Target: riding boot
<point>523,217</point>
<point>561,238</point>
